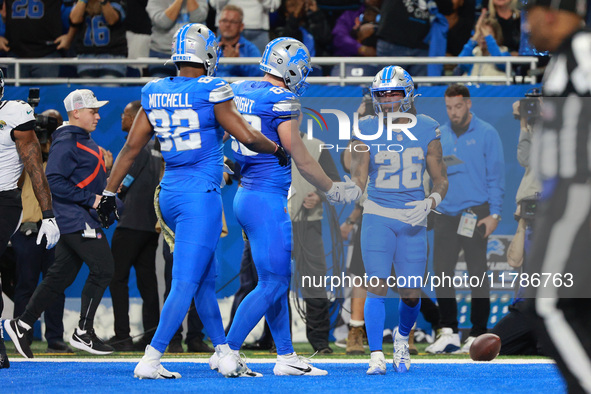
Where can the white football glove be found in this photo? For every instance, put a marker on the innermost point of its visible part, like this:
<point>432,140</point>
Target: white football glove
<point>419,213</point>
<point>343,192</point>
<point>51,231</point>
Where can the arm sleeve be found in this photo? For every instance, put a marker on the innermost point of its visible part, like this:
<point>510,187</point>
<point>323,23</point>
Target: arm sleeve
<point>270,5</point>
<point>250,50</point>
<point>467,51</point>
<point>341,37</point>
<point>61,163</point>
<point>523,147</point>
<point>327,163</point>
<point>495,171</point>
<point>445,6</point>
<point>494,50</point>
<point>155,9</point>
<point>200,14</point>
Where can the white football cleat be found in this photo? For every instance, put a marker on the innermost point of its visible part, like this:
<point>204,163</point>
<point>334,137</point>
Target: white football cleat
<point>229,363</point>
<point>149,367</point>
<point>292,364</point>
<point>466,347</point>
<point>401,353</point>
<point>213,364</point>
<point>446,342</point>
<point>377,364</point>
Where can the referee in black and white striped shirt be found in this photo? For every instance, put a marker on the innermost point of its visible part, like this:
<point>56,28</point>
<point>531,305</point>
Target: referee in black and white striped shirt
<point>561,248</point>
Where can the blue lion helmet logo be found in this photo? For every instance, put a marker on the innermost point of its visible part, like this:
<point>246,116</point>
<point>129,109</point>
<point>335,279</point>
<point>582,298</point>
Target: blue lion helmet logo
<point>300,55</point>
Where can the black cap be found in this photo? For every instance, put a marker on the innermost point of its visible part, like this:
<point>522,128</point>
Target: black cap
<point>578,7</point>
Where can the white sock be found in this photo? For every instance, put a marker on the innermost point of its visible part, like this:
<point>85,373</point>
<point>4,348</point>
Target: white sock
<point>223,348</point>
<point>400,337</point>
<point>377,355</point>
<point>152,354</point>
<point>356,323</point>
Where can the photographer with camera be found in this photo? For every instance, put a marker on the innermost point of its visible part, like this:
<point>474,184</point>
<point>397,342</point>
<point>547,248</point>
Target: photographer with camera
<point>561,157</point>
<point>527,111</point>
<point>77,175</point>
<point>515,329</point>
<point>33,259</point>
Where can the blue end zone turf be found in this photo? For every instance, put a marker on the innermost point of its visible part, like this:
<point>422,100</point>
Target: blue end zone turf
<point>57,377</point>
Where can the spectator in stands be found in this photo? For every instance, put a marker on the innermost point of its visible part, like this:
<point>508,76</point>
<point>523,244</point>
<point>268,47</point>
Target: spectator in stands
<point>101,35</point>
<point>256,17</point>
<point>35,32</point>
<point>461,22</point>
<point>485,42</point>
<point>167,17</point>
<point>33,259</point>
<point>354,34</point>
<point>508,16</point>
<point>138,29</point>
<point>233,44</point>
<point>404,26</point>
<point>302,20</point>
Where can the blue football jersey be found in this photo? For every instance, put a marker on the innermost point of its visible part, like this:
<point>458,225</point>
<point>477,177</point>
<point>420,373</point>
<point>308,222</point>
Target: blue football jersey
<point>396,166</point>
<point>265,107</point>
<point>181,111</point>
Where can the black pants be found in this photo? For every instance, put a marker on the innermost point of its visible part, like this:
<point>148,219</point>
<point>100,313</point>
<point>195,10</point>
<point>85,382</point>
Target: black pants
<point>248,278</point>
<point>135,248</point>
<point>308,253</point>
<point>33,260</point>
<point>561,246</point>
<point>447,245</point>
<point>9,220</point>
<point>194,324</point>
<point>518,337</point>
<point>70,252</point>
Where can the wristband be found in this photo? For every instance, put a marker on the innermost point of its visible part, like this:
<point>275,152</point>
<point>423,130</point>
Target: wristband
<point>108,193</point>
<point>436,197</point>
<point>48,214</point>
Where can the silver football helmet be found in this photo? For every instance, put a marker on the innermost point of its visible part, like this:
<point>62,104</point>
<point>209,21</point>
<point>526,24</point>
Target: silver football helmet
<point>388,79</point>
<point>289,59</point>
<point>195,43</point>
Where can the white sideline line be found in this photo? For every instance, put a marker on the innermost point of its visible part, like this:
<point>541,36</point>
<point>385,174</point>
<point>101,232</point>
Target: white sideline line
<point>521,361</point>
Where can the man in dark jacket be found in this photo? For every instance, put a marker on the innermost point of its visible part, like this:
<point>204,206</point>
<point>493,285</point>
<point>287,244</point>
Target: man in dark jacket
<point>77,175</point>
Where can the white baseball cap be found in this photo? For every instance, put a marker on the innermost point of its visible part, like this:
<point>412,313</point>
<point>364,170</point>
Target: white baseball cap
<point>82,98</point>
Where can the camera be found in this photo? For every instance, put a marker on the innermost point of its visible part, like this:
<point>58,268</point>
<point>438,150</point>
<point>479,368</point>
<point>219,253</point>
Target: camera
<point>44,125</point>
<point>529,207</point>
<point>530,106</point>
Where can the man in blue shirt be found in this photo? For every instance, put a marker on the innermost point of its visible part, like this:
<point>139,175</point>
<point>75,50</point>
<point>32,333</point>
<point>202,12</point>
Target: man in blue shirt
<point>233,44</point>
<point>470,213</point>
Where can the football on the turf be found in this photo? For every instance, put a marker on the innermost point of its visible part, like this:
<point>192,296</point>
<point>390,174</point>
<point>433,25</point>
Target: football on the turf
<point>485,347</point>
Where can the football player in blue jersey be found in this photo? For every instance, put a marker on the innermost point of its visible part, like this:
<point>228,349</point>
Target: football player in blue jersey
<point>185,112</point>
<point>271,106</point>
<point>395,213</point>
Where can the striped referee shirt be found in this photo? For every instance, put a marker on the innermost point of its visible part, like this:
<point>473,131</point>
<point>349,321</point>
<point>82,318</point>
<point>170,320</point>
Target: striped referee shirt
<point>562,145</point>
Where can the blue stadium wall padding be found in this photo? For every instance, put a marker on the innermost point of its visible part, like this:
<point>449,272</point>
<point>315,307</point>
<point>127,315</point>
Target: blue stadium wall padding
<point>491,103</point>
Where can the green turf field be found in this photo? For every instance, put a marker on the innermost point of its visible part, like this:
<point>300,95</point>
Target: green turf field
<point>305,349</point>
